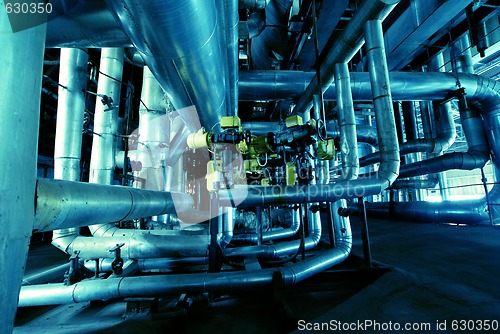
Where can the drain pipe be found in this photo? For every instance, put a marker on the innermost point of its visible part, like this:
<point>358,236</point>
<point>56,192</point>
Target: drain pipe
<point>388,143</point>
<point>21,65</point>
<point>347,123</point>
<point>347,44</point>
<point>69,127</point>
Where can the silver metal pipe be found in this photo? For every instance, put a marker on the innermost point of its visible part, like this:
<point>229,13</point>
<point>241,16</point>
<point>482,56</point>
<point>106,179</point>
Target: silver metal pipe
<point>405,86</point>
<point>69,126</point>
<point>283,248</point>
<point>54,274</point>
<point>226,226</point>
<point>105,264</point>
<point>226,282</point>
<point>347,123</point>
<point>83,24</point>
<point>253,26</point>
<point>253,4</point>
<point>63,204</point>
<point>231,31</point>
<point>102,161</point>
<point>141,246</point>
<point>21,64</point>
<point>191,72</point>
<point>273,234</point>
<point>415,184</point>
<point>388,143</point>
<point>456,212</point>
<point>348,43</point>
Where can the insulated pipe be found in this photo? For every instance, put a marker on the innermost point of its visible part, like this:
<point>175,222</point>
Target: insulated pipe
<point>273,234</point>
<point>63,204</point>
<point>102,160</point>
<point>282,248</point>
<point>226,282</point>
<point>69,125</point>
<point>83,24</point>
<point>253,4</point>
<point>458,212</point>
<point>186,59</point>
<point>348,43</point>
<point>105,264</point>
<point>231,32</point>
<point>388,143</point>
<point>253,26</point>
<point>347,123</point>
<point>21,65</point>
<point>415,184</point>
<point>141,246</point>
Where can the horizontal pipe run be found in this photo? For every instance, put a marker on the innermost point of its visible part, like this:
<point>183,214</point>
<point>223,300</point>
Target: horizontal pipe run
<point>470,212</point>
<point>405,86</point>
<point>141,246</point>
<point>64,204</point>
<point>105,264</point>
<point>226,282</point>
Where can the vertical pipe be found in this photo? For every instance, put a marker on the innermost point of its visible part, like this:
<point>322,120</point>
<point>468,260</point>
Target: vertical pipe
<point>231,23</point>
<point>21,61</point>
<point>69,127</point>
<point>347,123</point>
<point>102,161</point>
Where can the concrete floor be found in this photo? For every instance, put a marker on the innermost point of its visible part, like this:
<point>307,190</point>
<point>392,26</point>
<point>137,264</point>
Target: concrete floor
<point>438,273</point>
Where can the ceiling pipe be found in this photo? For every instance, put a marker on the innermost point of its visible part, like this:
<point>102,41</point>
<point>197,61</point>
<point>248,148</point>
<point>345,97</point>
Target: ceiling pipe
<point>180,42</point>
<point>253,26</point>
<point>226,282</point>
<point>388,143</point>
<point>348,43</point>
<point>69,126</point>
<point>64,204</point>
<point>21,65</point>
<point>83,24</point>
<point>347,123</point>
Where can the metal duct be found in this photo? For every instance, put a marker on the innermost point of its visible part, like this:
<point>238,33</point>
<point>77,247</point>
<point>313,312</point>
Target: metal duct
<point>347,123</point>
<point>181,45</point>
<point>63,204</point>
<point>21,64</point>
<point>253,26</point>
<point>348,43</point>
<point>273,40</point>
<point>49,294</point>
<point>83,24</point>
<point>254,4</point>
<point>102,161</point>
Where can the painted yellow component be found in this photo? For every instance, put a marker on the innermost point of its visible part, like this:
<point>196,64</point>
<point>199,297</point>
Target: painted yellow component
<point>326,149</point>
<point>211,176</point>
<point>198,140</point>
<point>242,147</point>
<point>259,146</point>
<point>264,182</point>
<point>293,121</point>
<point>230,122</point>
<point>290,175</point>
<point>252,165</point>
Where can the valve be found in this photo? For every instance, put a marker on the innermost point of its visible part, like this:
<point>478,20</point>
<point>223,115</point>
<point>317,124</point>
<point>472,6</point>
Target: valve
<point>74,273</point>
<point>117,264</point>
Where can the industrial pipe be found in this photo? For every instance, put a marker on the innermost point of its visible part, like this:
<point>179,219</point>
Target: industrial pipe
<point>63,204</point>
<point>347,123</point>
<point>253,26</point>
<point>226,282</point>
<point>192,71</point>
<point>347,44</point>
